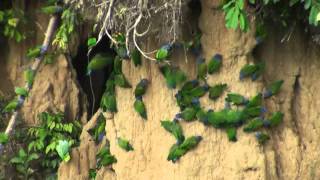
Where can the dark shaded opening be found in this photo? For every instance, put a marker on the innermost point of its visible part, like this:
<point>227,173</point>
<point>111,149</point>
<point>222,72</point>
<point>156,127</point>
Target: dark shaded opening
<point>95,89</point>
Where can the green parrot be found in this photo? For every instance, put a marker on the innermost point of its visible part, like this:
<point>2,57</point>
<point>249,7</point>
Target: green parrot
<point>275,119</point>
<point>21,91</point>
<point>255,101</point>
<point>140,108</point>
<point>164,52</point>
<point>104,157</point>
<point>201,69</point>
<point>254,125</point>
<point>216,91</point>
<point>34,52</point>
<point>202,116</point>
<point>109,102</point>
<point>232,133</point>
<point>29,75</point>
<point>124,144</point>
<point>247,70</point>
<point>188,114</point>
<point>175,153</point>
<point>236,99</point>
<point>110,85</point>
<point>99,61</point>
<point>122,52</point>
<point>189,85</point>
<point>136,57</point>
<point>173,75</point>
<point>174,128</point>
<point>273,89</point>
<point>259,71</point>
<point>141,88</point>
<point>121,81</point>
<point>117,65</point>
<point>262,137</point>
<point>254,111</point>
<point>52,9</point>
<point>199,91</point>
<point>190,142</point>
<point>215,63</point>
<point>225,118</point>
<point>98,131</point>
<point>4,138</point>
<point>11,106</point>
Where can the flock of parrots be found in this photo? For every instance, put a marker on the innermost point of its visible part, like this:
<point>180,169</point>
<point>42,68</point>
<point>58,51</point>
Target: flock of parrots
<point>238,110</point>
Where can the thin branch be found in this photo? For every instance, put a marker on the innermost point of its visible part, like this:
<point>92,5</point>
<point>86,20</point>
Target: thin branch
<point>46,43</point>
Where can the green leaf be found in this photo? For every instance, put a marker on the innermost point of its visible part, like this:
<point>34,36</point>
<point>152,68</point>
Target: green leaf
<point>33,156</point>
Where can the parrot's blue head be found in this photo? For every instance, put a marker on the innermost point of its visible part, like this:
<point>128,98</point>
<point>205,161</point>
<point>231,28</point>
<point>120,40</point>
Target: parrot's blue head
<point>195,101</point>
<point>241,76</point>
<point>139,98</point>
<point>206,87</point>
<point>227,105</point>
<point>266,123</point>
<point>100,137</point>
<point>210,110</point>
<point>263,110</point>
<point>194,82</point>
<point>167,46</point>
<point>178,116</point>
<point>254,76</point>
<point>259,40</point>
<point>267,94</point>
<point>178,95</point>
<point>258,135</point>
<point>199,138</point>
<point>200,60</point>
<point>217,57</point>
<point>144,82</point>
<point>245,101</point>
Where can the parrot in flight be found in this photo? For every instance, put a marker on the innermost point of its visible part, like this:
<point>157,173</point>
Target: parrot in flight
<point>99,61</point>
<point>273,89</point>
<point>215,63</point>
<point>124,144</point>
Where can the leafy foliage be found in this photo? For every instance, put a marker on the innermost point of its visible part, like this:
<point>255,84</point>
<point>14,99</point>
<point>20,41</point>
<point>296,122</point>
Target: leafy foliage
<point>52,139</point>
<point>69,20</point>
<point>22,162</point>
<point>236,14</point>
<point>11,20</point>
